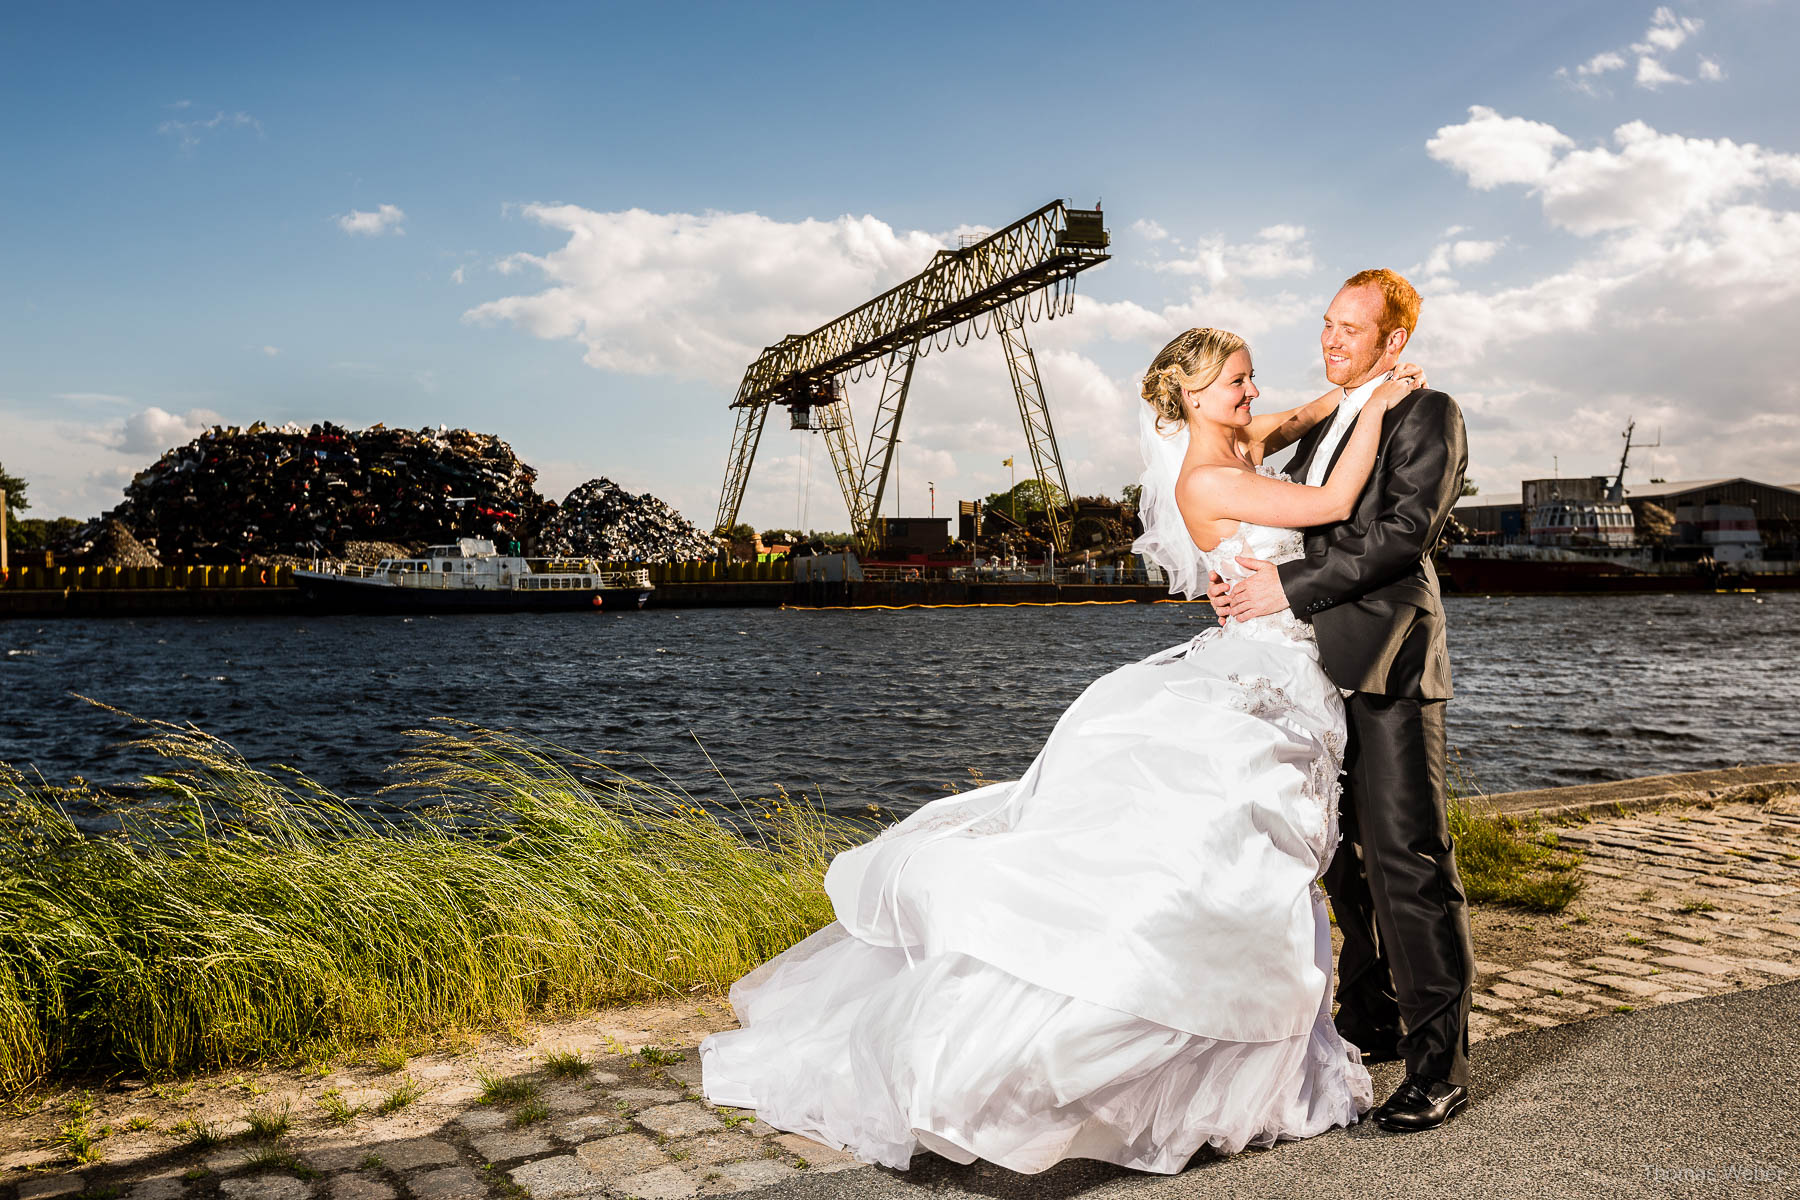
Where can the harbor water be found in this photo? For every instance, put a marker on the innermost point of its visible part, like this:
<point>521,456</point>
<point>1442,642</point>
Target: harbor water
<point>864,707</point>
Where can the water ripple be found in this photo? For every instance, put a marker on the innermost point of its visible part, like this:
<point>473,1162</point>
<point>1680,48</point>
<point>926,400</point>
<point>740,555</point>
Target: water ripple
<point>883,708</point>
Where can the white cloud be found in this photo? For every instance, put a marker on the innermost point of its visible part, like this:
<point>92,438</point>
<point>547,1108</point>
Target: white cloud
<point>189,134</point>
<point>1249,316</point>
<point>144,433</point>
<point>151,431</point>
<point>698,296</point>
<point>1601,63</point>
<point>271,351</point>
<point>456,276</point>
<point>1674,310</point>
<point>1116,320</point>
<point>1652,181</point>
<point>964,235</point>
<point>1149,230</point>
<point>1492,150</point>
<point>1656,180</point>
<point>1446,256</point>
<point>1229,305</point>
<point>1652,74</point>
<point>1276,251</point>
<point>1668,31</point>
<point>80,469</point>
<point>388,218</point>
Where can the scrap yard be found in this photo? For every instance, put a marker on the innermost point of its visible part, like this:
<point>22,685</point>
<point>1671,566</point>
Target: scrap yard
<point>224,522</point>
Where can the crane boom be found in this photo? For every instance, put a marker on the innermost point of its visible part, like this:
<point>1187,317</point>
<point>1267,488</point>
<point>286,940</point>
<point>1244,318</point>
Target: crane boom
<point>994,275</point>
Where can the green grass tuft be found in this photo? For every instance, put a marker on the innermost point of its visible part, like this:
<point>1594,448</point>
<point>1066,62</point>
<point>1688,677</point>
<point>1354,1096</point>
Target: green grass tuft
<point>272,1156</point>
<point>530,1112</point>
<point>267,1124</point>
<point>566,1064</point>
<point>231,914</point>
<point>81,1143</point>
<point>1504,860</point>
<point>389,1058</point>
<point>408,1091</point>
<point>504,1089</point>
<point>338,1110</point>
<point>198,1135</point>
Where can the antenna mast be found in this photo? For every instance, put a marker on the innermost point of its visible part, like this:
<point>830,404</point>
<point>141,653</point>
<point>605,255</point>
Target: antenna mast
<point>1616,492</point>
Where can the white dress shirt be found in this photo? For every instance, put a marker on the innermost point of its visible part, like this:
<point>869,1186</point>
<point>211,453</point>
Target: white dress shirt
<point>1339,429</point>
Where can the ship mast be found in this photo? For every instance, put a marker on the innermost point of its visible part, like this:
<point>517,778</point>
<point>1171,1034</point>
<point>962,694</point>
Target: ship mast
<point>1616,492</point>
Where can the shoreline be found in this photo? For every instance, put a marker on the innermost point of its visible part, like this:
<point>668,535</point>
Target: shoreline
<point>240,597</point>
<point>1687,902</point>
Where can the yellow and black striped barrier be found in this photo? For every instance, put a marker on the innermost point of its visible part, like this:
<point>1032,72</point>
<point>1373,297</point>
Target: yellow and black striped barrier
<point>983,604</point>
<point>62,579</point>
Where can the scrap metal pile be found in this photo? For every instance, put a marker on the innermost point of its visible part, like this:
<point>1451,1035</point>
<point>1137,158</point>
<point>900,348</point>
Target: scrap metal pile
<point>113,546</point>
<point>232,495</point>
<point>602,519</point>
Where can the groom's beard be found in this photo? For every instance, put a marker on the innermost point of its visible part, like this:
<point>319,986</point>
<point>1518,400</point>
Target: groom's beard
<point>1360,371</point>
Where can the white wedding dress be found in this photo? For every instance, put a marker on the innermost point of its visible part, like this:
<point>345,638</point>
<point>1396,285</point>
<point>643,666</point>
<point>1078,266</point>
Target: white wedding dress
<point>1123,956</point>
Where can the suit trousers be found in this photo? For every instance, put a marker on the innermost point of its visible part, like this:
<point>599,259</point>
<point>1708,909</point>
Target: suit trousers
<point>1407,963</point>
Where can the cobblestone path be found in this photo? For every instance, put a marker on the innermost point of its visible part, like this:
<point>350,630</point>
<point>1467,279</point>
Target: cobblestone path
<point>1680,903</point>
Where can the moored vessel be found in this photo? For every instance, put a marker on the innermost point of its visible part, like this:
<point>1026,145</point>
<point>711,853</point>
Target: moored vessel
<point>470,575</point>
<point>1596,534</point>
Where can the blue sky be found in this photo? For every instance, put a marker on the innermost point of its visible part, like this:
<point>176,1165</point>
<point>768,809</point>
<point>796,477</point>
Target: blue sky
<point>574,225</point>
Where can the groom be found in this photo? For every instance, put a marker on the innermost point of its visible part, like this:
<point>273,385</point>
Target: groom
<point>1367,586</point>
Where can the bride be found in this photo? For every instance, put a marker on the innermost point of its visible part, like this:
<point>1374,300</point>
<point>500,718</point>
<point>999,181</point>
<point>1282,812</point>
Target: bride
<point>1123,955</point>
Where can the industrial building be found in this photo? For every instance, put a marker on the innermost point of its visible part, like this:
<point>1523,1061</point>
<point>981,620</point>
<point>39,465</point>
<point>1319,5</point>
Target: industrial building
<point>1712,515</point>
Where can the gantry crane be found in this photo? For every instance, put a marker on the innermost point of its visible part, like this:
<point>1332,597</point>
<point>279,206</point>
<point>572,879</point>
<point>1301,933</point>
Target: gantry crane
<point>998,284</point>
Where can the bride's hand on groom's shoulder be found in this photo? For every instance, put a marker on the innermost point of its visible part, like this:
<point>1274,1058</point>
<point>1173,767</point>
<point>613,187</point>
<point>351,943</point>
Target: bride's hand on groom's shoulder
<point>1407,378</point>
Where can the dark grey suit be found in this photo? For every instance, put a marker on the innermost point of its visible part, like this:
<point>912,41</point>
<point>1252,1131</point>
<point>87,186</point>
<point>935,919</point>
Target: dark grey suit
<point>1368,588</point>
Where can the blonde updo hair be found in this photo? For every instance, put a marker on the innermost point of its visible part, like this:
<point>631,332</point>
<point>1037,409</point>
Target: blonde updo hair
<point>1191,362</point>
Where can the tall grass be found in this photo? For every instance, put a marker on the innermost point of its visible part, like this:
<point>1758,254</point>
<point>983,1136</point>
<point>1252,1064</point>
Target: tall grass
<point>233,913</point>
<point>1508,860</point>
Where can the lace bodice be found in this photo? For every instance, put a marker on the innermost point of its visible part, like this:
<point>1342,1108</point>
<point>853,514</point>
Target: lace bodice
<point>1271,543</point>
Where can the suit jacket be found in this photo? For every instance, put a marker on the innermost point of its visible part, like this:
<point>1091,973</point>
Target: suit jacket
<point>1366,583</point>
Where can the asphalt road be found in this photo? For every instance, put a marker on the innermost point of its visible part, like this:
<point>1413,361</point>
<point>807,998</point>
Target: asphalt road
<point>1700,1098</point>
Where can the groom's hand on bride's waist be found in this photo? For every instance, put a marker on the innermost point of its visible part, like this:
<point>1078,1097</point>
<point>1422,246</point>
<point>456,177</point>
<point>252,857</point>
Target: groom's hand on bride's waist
<point>1257,594</point>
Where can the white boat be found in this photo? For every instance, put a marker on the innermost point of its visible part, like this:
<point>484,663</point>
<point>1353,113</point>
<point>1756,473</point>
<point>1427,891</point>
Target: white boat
<point>470,575</point>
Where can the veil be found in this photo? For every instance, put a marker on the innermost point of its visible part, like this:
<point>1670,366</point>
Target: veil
<point>1166,541</point>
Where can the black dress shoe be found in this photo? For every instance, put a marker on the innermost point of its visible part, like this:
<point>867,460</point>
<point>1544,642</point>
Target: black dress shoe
<point>1421,1102</point>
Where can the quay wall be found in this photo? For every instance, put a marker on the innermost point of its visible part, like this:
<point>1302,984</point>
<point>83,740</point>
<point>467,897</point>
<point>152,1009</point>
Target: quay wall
<point>243,590</point>
<point>1721,786</point>
<point>38,591</point>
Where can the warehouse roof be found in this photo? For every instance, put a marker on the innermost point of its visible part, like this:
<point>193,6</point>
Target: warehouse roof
<point>1645,491</point>
<point>1633,491</point>
<point>1483,500</point>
